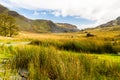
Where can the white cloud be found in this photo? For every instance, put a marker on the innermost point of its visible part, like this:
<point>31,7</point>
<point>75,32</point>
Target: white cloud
<point>56,13</point>
<point>83,26</point>
<point>99,10</point>
<point>36,13</point>
<point>43,13</point>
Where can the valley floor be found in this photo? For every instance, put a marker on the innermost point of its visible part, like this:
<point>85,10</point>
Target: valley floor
<point>61,56</point>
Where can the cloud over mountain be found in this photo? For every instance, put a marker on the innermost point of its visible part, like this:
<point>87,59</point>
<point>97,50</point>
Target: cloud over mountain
<point>99,10</point>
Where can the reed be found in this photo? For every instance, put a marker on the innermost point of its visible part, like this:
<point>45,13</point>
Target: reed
<point>46,63</point>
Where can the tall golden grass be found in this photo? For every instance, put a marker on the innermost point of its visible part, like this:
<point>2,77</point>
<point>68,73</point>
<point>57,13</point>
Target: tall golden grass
<point>63,56</point>
<point>44,63</point>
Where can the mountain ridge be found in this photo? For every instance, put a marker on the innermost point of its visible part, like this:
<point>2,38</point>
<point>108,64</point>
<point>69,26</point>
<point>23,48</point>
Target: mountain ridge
<point>111,23</point>
<point>38,25</point>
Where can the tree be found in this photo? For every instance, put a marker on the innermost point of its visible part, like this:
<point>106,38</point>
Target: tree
<point>7,25</point>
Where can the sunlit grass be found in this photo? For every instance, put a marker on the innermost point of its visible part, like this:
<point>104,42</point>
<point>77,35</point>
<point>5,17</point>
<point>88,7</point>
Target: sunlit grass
<point>60,56</point>
<point>51,63</point>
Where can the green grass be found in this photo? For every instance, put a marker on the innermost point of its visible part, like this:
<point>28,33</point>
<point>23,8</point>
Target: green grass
<point>64,58</point>
<point>88,45</point>
<point>45,63</point>
<point>50,63</point>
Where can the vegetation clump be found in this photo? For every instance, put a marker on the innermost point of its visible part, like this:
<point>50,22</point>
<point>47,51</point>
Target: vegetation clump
<point>8,26</point>
<point>49,63</point>
<point>89,46</point>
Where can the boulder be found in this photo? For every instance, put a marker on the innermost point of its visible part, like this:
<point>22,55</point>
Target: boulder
<point>90,35</point>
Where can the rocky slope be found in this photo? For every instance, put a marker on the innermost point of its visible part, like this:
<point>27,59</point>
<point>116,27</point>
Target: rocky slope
<point>26,24</point>
<point>112,23</point>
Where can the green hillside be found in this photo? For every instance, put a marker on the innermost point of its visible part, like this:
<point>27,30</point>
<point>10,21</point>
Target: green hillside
<point>26,24</point>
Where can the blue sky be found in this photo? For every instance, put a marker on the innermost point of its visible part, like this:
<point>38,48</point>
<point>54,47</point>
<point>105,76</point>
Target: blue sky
<point>83,13</point>
<point>48,15</point>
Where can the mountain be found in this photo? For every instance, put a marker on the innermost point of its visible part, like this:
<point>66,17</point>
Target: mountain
<point>111,25</point>
<point>3,9</point>
<point>65,26</point>
<point>38,25</point>
<point>115,22</point>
